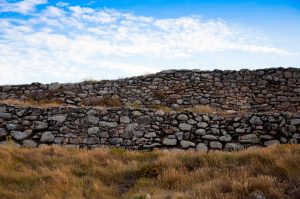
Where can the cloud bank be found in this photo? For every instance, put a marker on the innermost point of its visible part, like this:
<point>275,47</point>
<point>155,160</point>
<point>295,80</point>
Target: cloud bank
<point>70,43</point>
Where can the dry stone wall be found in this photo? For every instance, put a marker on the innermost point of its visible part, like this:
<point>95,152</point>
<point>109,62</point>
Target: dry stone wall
<point>87,127</point>
<point>258,90</point>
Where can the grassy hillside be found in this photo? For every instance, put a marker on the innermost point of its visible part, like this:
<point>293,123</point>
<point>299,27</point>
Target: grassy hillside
<point>53,172</point>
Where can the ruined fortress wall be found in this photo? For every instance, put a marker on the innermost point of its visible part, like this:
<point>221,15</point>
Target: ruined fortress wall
<point>87,127</point>
<point>274,89</point>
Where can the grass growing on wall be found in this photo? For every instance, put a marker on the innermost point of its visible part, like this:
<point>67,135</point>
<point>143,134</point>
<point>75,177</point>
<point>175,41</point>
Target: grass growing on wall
<point>32,103</point>
<point>53,172</point>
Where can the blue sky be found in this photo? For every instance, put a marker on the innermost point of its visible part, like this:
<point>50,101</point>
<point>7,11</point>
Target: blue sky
<point>70,41</point>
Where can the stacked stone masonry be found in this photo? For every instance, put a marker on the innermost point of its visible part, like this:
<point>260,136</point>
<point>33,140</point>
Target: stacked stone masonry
<point>257,90</point>
<point>87,127</point>
<point>266,104</point>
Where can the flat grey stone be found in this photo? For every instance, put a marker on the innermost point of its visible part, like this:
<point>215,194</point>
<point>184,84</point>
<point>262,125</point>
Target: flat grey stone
<point>54,86</point>
<point>257,195</point>
<point>159,113</point>
<point>271,142</point>
<point>201,147</point>
<point>103,134</point>
<point>10,143</point>
<point>38,125</point>
<point>5,115</point>
<point>92,119</point>
<point>3,133</point>
<point>295,122</point>
<point>19,135</point>
<point>93,130</point>
<point>202,125</point>
<point>233,147</point>
<point>186,144</point>
<point>115,141</point>
<point>225,138</point>
<point>58,118</point>
<point>206,118</point>
<point>47,137</point>
<point>200,132</point>
<point>215,145</point>
<point>249,138</point>
<point>238,130</point>
<point>136,113</point>
<point>150,135</point>
<point>124,120</point>
<point>146,120</point>
<point>215,131</point>
<point>209,137</point>
<point>12,127</point>
<point>179,135</point>
<point>182,117</point>
<point>131,127</point>
<point>29,143</point>
<point>127,135</point>
<point>185,127</point>
<point>256,121</point>
<point>91,140</point>
<point>108,124</point>
<point>169,142</point>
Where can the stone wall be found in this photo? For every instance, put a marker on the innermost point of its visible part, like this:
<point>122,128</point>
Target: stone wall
<point>87,127</point>
<point>257,90</point>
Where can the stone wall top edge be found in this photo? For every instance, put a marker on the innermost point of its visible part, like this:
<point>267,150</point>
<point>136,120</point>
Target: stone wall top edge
<point>163,72</point>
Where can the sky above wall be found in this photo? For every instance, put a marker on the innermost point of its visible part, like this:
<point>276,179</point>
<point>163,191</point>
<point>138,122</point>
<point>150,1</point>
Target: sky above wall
<point>71,41</point>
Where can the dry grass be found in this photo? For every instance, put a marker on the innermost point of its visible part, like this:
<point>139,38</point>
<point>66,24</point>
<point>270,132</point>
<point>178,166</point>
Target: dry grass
<point>160,107</point>
<point>159,95</point>
<point>32,103</point>
<point>102,173</point>
<point>203,109</point>
<point>105,101</point>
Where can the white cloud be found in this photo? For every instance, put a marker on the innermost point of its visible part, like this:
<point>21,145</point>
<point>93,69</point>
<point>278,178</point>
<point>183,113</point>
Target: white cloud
<point>23,7</point>
<point>68,43</point>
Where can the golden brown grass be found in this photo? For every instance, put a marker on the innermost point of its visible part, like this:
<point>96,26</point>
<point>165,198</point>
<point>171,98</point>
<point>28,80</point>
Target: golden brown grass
<point>53,172</point>
<point>203,109</point>
<point>32,103</point>
<point>105,101</point>
<point>161,108</point>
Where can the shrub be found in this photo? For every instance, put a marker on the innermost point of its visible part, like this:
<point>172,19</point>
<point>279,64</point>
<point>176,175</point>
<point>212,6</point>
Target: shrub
<point>151,170</point>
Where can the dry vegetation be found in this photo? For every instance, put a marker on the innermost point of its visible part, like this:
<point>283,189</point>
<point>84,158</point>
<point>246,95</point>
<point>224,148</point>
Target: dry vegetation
<point>32,103</point>
<point>104,101</point>
<point>203,109</point>
<point>71,173</point>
